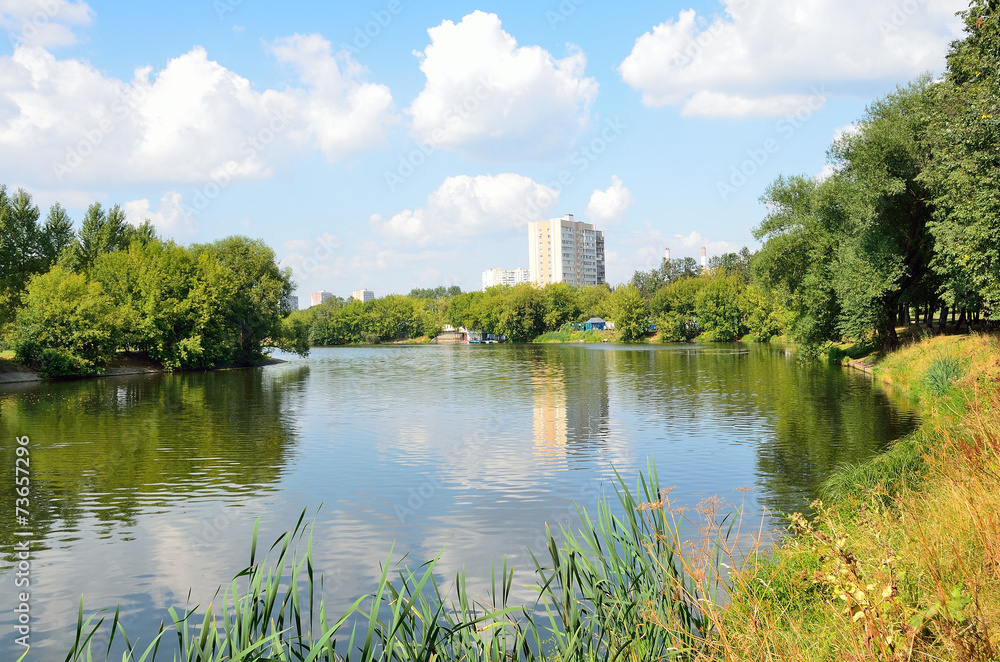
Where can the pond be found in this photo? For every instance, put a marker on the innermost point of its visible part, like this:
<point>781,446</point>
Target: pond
<point>145,488</point>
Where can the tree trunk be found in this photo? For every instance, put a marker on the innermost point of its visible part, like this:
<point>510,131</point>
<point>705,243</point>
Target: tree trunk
<point>892,340</point>
<point>961,321</point>
<point>943,324</point>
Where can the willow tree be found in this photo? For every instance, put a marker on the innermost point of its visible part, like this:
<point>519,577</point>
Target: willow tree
<point>800,233</point>
<point>885,248</point>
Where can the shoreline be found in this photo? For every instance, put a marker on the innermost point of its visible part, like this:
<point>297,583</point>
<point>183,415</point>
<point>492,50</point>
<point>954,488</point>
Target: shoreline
<point>12,373</point>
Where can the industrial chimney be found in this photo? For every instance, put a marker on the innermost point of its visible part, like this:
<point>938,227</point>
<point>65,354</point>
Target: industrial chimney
<point>704,259</point>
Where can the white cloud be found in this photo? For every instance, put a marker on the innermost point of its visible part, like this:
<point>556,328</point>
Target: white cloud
<point>44,23</point>
<point>490,98</point>
<point>609,206</point>
<point>846,131</point>
<point>64,121</point>
<point>465,206</point>
<point>761,58</point>
<point>826,173</point>
<point>171,220</point>
<point>339,113</point>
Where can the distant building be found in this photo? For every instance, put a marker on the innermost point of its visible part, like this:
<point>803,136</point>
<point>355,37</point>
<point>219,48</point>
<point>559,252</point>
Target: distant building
<point>293,302</point>
<point>320,297</point>
<point>595,324</point>
<point>494,277</point>
<point>363,295</point>
<point>562,250</point>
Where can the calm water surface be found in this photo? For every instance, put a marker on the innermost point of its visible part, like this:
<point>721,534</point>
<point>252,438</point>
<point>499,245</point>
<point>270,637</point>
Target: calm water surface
<point>146,487</point>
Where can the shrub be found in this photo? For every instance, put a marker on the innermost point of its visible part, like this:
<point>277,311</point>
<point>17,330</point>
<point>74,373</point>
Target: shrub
<point>67,326</point>
<point>941,373</point>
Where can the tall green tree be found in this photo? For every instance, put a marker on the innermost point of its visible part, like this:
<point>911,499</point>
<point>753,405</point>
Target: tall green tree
<point>963,172</point>
<point>21,254</point>
<point>801,233</point>
<point>629,313</point>
<point>719,308</point>
<point>250,292</point>
<point>57,234</point>
<point>884,256</point>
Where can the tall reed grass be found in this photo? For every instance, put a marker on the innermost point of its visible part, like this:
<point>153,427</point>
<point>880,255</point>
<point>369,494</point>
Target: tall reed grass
<point>617,588</point>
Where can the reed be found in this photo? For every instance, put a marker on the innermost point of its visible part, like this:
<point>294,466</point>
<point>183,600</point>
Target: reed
<point>617,588</point>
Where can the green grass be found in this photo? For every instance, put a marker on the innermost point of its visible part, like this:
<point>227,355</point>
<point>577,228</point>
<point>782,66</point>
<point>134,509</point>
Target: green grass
<point>567,336</point>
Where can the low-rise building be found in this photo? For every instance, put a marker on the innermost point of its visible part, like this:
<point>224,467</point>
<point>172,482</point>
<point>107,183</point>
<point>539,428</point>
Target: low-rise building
<point>494,277</point>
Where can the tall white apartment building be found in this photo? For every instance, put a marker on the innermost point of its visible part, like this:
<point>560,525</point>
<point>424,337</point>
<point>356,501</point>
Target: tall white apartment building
<point>494,277</point>
<point>363,296</point>
<point>562,250</point>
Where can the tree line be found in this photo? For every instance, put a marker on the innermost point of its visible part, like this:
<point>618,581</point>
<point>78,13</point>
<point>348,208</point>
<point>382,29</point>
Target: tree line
<point>70,301</point>
<point>906,229</point>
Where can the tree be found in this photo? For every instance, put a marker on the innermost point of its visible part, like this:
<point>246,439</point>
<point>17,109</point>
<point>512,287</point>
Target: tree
<point>594,302</point>
<point>57,235</point>
<point>521,313</point>
<point>886,248</point>
<point>719,308</point>
<point>562,305</point>
<point>21,255</point>
<point>669,271</point>
<point>964,136</point>
<point>763,315</point>
<point>797,258</point>
<point>630,314</point>
<point>734,264</point>
<point>101,232</point>
<point>67,326</point>
<point>244,284</point>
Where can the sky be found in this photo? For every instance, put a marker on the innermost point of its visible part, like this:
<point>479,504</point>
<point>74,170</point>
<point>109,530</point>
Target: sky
<point>396,144</point>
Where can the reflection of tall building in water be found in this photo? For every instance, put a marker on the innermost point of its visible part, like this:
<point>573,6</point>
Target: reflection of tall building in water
<point>570,410</point>
<point>549,394</point>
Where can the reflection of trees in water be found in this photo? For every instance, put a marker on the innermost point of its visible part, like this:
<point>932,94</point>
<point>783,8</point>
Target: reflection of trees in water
<point>108,448</point>
<point>805,419</point>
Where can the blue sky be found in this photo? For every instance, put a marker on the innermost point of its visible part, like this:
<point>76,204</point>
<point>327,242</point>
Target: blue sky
<point>399,144</point>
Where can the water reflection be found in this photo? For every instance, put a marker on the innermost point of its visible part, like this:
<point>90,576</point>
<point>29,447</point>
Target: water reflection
<point>149,486</point>
<point>109,450</point>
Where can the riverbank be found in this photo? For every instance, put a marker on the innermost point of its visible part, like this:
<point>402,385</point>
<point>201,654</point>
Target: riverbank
<point>901,558</point>
<point>125,365</point>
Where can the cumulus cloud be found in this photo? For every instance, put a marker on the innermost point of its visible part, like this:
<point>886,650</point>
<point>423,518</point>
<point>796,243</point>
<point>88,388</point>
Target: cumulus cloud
<point>465,206</point>
<point>64,120</point>
<point>489,97</point>
<point>44,23</point>
<point>170,220</point>
<point>762,58</point>
<point>609,206</point>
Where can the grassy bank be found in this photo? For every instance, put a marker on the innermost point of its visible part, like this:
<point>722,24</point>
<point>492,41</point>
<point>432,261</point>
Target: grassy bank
<point>902,559</point>
<point>576,336</point>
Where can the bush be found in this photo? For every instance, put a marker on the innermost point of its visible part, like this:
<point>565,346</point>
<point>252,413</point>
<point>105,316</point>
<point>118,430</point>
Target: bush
<point>67,326</point>
<point>941,373</point>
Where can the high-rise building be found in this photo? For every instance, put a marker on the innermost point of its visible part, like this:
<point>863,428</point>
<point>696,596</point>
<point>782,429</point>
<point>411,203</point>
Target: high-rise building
<point>363,295</point>
<point>293,302</point>
<point>319,297</point>
<point>562,250</point>
<point>494,277</point>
